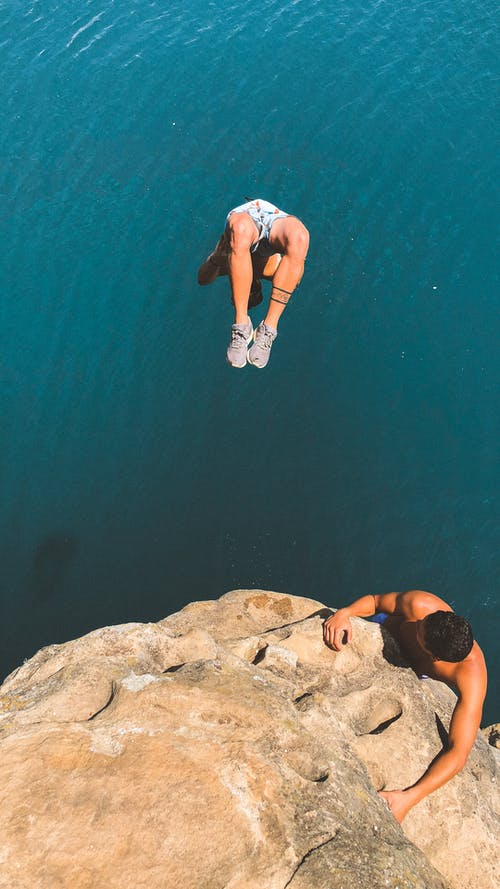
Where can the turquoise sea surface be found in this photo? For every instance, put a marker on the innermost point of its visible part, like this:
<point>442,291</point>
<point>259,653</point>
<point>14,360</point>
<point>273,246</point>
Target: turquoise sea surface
<point>137,470</point>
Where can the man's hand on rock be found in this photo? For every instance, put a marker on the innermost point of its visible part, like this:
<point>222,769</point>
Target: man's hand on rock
<point>337,630</point>
<point>398,801</point>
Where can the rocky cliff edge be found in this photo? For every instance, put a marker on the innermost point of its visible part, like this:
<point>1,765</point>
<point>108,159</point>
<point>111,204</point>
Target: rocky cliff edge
<point>226,747</point>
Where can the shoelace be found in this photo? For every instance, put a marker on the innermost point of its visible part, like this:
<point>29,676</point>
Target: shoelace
<point>266,337</point>
<point>238,338</point>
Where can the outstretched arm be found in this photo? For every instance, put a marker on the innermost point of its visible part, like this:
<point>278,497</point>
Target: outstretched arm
<point>337,629</point>
<point>464,725</point>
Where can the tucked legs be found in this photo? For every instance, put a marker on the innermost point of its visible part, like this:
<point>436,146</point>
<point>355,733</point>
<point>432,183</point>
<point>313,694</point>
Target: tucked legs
<point>279,257</point>
<point>241,233</point>
<point>290,238</point>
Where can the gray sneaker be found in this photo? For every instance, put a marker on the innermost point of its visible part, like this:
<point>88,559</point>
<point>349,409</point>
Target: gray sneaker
<point>264,337</point>
<point>241,336</point>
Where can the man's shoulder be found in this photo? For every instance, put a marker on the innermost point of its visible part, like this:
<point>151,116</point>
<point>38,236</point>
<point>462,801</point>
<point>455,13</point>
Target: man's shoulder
<point>417,604</point>
<point>470,675</point>
<point>474,664</point>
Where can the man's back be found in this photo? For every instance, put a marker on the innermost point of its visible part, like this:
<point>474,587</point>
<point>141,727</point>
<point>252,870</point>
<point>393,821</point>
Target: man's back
<point>413,606</point>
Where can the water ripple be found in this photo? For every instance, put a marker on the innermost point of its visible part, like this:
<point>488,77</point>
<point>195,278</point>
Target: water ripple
<point>128,130</point>
<point>85,27</point>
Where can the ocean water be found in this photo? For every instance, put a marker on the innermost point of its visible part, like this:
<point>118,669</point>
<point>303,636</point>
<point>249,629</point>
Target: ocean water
<point>137,470</point>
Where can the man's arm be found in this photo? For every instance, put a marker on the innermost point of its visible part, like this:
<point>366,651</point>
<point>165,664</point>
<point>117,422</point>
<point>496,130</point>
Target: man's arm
<point>337,629</point>
<point>464,726</point>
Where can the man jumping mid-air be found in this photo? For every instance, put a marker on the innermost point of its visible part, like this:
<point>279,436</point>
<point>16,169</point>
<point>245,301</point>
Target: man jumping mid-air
<point>259,241</point>
<point>438,643</point>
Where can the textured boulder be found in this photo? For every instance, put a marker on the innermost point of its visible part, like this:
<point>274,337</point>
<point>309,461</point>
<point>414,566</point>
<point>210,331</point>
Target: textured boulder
<point>492,734</point>
<point>227,748</point>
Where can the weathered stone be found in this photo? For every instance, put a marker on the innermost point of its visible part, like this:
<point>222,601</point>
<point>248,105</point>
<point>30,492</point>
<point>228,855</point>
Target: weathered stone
<point>245,613</point>
<point>226,748</point>
<point>492,735</point>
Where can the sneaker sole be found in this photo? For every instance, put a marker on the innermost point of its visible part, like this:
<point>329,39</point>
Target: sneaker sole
<point>258,366</point>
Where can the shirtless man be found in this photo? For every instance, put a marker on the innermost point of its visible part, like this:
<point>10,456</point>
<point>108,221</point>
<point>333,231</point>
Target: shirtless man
<point>439,644</point>
<point>259,241</point>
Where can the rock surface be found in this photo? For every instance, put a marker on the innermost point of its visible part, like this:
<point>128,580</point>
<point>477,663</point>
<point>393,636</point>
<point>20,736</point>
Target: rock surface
<point>492,734</point>
<point>227,748</point>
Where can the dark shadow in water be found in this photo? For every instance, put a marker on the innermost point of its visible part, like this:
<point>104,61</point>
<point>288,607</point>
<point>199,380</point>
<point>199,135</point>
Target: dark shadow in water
<point>51,560</point>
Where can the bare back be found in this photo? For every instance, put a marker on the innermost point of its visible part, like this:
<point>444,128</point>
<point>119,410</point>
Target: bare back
<point>405,610</point>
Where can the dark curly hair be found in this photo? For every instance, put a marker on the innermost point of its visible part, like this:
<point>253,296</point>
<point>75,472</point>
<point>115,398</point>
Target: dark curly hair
<point>447,636</point>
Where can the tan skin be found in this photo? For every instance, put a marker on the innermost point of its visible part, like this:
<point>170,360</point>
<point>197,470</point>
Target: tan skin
<point>469,678</point>
<point>217,265</point>
<point>289,238</point>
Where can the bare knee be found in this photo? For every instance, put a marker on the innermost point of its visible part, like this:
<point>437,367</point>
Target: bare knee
<point>297,242</point>
<point>242,232</point>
